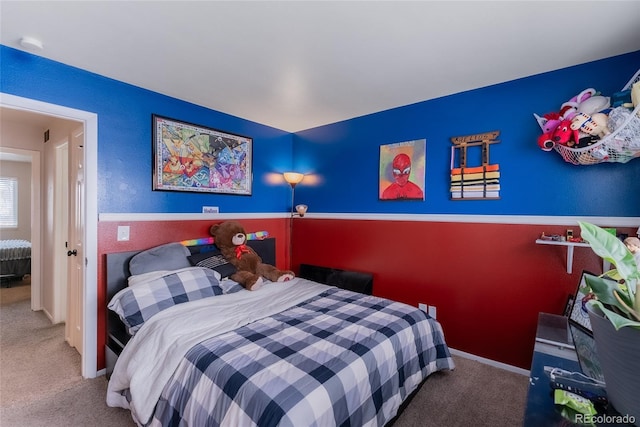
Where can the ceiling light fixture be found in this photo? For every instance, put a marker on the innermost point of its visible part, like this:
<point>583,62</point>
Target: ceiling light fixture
<point>31,43</point>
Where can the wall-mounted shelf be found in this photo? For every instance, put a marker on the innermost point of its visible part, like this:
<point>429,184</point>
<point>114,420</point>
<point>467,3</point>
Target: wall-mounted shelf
<point>569,245</point>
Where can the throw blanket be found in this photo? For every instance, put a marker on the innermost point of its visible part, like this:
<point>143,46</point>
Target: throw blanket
<point>338,359</point>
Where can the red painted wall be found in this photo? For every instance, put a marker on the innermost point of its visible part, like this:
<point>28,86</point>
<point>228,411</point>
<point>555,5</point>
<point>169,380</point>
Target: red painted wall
<point>487,281</point>
<point>147,234</point>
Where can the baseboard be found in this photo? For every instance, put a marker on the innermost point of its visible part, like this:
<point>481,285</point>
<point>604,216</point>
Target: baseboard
<point>49,316</point>
<point>490,362</point>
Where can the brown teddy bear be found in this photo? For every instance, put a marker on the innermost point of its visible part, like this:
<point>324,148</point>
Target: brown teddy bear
<point>230,238</point>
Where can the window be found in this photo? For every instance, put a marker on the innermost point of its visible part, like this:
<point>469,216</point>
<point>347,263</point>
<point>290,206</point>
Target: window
<point>8,202</point>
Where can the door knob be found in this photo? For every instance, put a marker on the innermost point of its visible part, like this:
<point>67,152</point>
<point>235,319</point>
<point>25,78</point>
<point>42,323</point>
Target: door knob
<point>73,252</point>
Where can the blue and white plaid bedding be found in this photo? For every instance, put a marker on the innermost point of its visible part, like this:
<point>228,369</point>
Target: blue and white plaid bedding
<point>339,358</point>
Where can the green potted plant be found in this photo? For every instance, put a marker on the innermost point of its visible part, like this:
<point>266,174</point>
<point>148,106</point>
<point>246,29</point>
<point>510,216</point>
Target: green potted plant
<point>615,319</point>
<point>620,302</point>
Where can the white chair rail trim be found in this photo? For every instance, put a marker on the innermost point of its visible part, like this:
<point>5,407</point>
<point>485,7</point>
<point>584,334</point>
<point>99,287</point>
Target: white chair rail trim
<point>604,221</point>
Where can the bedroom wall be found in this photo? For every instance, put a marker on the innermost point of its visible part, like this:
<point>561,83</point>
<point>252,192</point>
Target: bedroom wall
<point>487,280</point>
<point>342,159</point>
<point>476,261</point>
<point>24,137</point>
<point>124,137</point>
<point>342,162</point>
<point>125,155</point>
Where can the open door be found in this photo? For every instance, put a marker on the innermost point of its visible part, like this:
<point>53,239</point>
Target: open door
<point>75,248</point>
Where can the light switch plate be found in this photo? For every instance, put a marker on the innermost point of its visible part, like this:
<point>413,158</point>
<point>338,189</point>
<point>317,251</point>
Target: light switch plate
<point>123,233</point>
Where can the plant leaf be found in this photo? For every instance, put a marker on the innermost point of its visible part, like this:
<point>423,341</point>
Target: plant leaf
<point>603,289</point>
<point>611,249</point>
<point>627,307</point>
<point>616,320</point>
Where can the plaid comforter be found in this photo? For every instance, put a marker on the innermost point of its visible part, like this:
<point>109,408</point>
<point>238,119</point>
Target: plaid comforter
<point>339,358</point>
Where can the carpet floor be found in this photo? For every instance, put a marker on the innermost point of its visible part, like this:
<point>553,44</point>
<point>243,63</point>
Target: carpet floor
<point>41,384</point>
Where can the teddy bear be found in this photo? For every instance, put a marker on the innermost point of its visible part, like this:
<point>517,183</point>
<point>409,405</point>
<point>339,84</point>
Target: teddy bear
<point>230,238</point>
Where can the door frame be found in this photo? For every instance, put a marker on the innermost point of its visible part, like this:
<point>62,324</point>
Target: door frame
<point>36,223</point>
<point>90,309</point>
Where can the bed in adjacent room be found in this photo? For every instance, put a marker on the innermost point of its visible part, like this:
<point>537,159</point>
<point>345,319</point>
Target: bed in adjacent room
<point>188,346</point>
<point>15,258</point>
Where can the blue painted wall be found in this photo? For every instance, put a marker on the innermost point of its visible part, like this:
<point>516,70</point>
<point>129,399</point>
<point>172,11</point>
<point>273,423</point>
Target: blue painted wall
<point>124,137</point>
<point>343,158</point>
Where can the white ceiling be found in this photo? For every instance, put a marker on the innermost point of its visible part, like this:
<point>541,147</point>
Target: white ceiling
<point>295,65</point>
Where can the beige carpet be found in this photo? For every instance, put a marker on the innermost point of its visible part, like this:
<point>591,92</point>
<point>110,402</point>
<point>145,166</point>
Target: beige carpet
<point>40,379</point>
<point>475,394</point>
<point>28,336</point>
<point>41,385</point>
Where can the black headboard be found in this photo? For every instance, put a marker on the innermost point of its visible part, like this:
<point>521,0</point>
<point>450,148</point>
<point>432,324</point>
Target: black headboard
<point>118,274</point>
<point>118,262</point>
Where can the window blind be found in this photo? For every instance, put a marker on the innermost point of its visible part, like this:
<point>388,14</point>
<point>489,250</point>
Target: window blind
<point>8,202</point>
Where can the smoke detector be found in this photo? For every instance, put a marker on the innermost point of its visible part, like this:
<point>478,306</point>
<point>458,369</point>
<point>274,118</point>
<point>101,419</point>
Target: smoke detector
<point>31,43</point>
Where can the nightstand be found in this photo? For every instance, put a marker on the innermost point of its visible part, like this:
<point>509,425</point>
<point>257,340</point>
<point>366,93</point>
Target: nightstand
<point>553,347</point>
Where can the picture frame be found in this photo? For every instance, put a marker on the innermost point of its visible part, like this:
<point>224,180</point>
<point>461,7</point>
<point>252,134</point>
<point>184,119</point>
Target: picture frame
<point>578,314</point>
<point>195,158</point>
<point>402,170</point>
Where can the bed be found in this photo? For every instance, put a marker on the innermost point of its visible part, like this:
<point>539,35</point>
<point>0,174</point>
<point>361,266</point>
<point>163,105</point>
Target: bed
<point>188,346</point>
<point>15,258</point>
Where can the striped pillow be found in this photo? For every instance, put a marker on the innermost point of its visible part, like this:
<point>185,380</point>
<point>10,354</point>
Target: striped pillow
<point>138,303</point>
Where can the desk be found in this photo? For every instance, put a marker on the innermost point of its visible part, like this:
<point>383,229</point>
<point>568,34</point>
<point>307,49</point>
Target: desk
<point>553,347</point>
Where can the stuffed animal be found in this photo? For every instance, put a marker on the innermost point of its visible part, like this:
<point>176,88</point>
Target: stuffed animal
<point>548,122</point>
<point>230,238</point>
<point>595,104</point>
<point>564,135</point>
<point>594,124</point>
<point>571,107</point>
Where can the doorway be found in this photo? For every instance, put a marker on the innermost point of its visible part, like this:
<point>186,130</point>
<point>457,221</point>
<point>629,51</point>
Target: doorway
<point>90,213</point>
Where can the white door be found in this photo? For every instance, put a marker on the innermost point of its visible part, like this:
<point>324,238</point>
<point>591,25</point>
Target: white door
<point>60,233</point>
<point>75,249</point>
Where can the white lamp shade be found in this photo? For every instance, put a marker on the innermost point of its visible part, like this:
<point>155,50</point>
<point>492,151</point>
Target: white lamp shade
<point>293,178</point>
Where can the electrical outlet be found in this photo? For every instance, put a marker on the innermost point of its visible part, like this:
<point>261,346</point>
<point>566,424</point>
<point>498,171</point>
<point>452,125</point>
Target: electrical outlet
<point>423,307</point>
<point>123,233</point>
<point>432,311</point>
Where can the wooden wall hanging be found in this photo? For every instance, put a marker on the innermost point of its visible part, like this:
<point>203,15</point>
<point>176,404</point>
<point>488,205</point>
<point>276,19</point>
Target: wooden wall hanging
<point>474,181</point>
